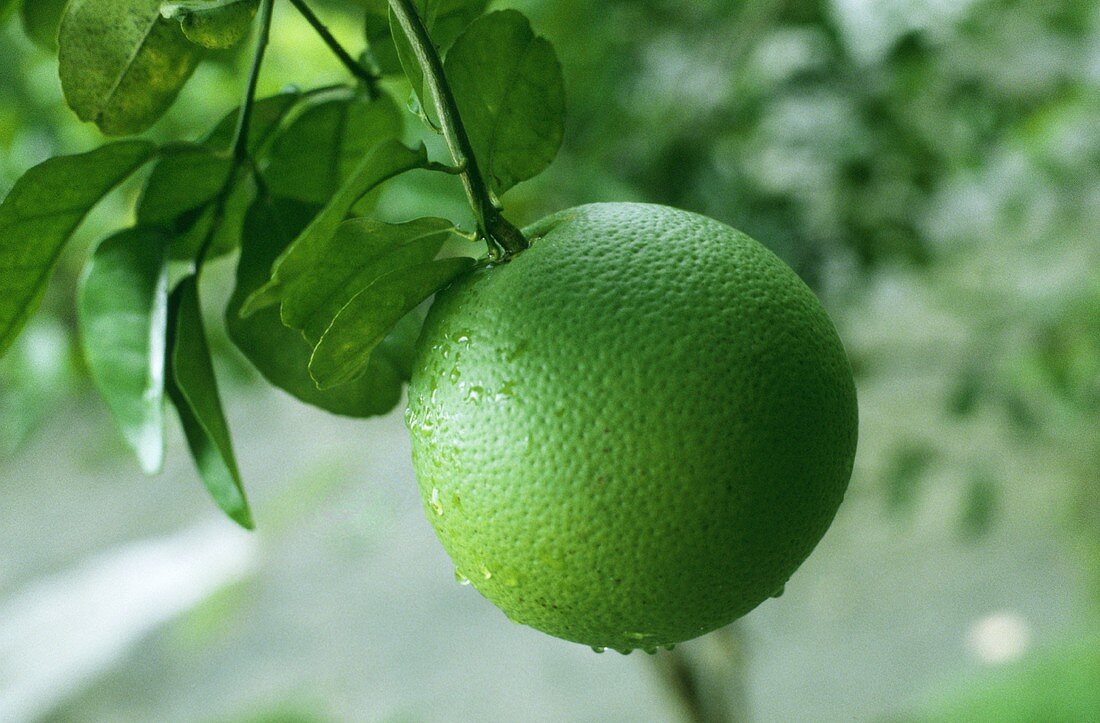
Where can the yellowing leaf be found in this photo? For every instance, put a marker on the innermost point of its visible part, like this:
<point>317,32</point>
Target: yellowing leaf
<point>121,63</point>
<point>214,24</point>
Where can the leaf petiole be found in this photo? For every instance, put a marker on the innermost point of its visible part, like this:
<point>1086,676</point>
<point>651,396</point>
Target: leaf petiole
<point>369,79</point>
<point>239,148</point>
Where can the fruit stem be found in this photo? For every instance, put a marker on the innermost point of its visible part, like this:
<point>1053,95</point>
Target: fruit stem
<point>503,238</point>
<point>368,78</point>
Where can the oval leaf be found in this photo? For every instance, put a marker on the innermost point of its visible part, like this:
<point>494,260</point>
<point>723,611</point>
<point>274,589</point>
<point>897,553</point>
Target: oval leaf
<point>121,63</point>
<point>362,324</point>
<point>509,89</point>
<point>319,149</point>
<point>193,389</point>
<point>213,24</point>
<point>41,19</point>
<point>41,213</point>
<point>187,177</point>
<point>381,52</point>
<point>280,353</point>
<point>361,251</point>
<point>123,313</point>
<point>387,160</point>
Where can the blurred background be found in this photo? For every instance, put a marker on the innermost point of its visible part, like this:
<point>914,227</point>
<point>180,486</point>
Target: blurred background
<point>932,168</point>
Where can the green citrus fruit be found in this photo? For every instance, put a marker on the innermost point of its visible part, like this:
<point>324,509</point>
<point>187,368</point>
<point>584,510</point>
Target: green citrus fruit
<point>634,431</point>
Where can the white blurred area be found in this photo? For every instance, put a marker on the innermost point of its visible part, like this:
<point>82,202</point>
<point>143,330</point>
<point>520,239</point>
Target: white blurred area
<point>999,638</point>
<point>59,633</point>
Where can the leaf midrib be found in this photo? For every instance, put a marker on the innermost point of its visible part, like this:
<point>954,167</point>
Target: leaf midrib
<point>126,68</point>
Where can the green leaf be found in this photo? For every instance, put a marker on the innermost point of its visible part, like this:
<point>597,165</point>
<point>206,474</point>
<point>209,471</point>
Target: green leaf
<point>41,19</point>
<point>344,350</point>
<point>361,251</point>
<point>36,375</point>
<point>193,389</point>
<point>121,63</point>
<point>319,149</point>
<point>448,18</point>
<point>381,52</point>
<point>279,352</point>
<point>123,312</point>
<point>387,160</point>
<point>908,468</point>
<point>267,115</point>
<point>509,89</point>
<point>979,506</point>
<point>444,20</point>
<point>41,213</point>
<point>190,176</point>
<point>213,24</point>
<point>187,177</point>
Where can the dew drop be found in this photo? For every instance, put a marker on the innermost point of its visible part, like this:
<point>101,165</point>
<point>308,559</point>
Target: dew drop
<point>670,647</point>
<point>598,649</point>
<point>434,502</point>
<point>460,578</point>
<point>624,651</point>
<point>780,591</point>
<point>650,651</point>
<point>486,573</point>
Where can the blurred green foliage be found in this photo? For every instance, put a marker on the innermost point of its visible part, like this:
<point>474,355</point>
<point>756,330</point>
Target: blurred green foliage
<point>1059,684</point>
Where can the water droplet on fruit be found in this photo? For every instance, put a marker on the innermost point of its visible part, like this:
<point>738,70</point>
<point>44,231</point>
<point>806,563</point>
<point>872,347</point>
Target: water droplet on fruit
<point>670,647</point>
<point>507,391</point>
<point>780,591</point>
<point>486,573</point>
<point>598,649</point>
<point>460,578</point>
<point>434,502</point>
<point>624,651</point>
<point>455,374</point>
<point>516,351</point>
<point>650,651</point>
<point>474,393</point>
<point>551,561</point>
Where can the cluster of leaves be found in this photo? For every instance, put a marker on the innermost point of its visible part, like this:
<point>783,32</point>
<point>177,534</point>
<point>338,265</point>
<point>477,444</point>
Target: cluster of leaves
<point>328,301</point>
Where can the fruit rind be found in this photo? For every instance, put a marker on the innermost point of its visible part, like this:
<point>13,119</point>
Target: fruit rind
<point>636,430</point>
